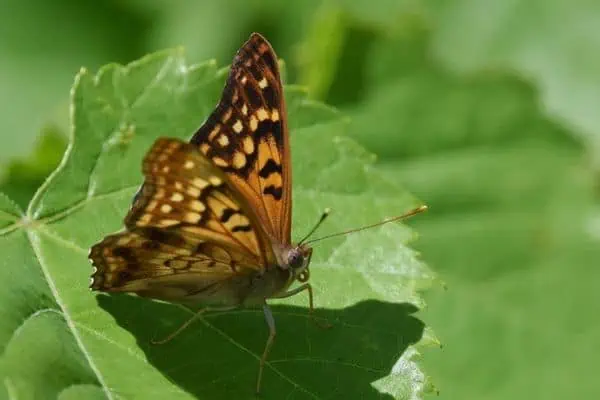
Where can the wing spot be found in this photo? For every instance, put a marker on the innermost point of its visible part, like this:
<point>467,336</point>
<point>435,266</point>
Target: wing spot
<point>238,126</point>
<point>193,191</point>
<point>215,181</point>
<point>253,123</point>
<point>166,169</point>
<point>219,162</point>
<point>223,140</point>
<point>204,148</point>
<point>144,220</point>
<point>245,109</point>
<point>188,164</point>
<point>237,219</point>
<point>275,115</point>
<point>123,241</point>
<point>273,179</point>
<point>199,183</point>
<point>152,205</point>
<point>197,205</point>
<point>248,144</point>
<point>214,132</point>
<point>176,197</point>
<point>166,208</point>
<point>239,160</point>
<point>244,79</point>
<point>242,228</point>
<point>178,185</point>
<point>165,223</point>
<point>192,217</point>
<point>182,252</point>
<point>227,115</point>
<point>274,191</point>
<point>263,83</point>
<point>270,167</point>
<point>227,213</point>
<point>262,114</point>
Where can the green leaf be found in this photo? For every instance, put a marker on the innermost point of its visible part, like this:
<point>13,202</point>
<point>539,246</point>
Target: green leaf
<point>318,58</point>
<point>62,341</point>
<point>552,43</point>
<point>36,69</point>
<point>513,220</point>
<point>23,176</point>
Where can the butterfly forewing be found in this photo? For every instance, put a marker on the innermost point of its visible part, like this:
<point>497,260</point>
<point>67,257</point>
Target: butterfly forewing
<point>246,137</point>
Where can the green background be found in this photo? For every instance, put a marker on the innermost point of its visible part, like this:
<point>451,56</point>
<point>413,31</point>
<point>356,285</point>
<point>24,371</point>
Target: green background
<point>486,110</point>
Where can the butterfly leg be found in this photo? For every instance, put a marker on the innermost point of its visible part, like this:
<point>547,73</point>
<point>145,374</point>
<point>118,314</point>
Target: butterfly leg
<point>311,307</point>
<point>188,323</point>
<point>272,332</point>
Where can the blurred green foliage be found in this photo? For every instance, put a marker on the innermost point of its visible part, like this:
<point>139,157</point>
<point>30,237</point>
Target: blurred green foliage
<point>485,109</point>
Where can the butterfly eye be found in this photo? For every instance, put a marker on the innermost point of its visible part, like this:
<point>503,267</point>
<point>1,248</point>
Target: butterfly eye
<point>295,259</point>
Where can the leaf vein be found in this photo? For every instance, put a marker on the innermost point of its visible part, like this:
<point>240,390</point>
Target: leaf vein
<point>34,241</point>
<point>257,357</point>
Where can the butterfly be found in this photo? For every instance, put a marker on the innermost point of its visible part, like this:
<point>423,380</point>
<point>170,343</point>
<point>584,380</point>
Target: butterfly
<point>211,223</point>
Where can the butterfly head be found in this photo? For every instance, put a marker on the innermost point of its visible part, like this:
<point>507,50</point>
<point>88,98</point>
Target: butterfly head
<point>297,260</point>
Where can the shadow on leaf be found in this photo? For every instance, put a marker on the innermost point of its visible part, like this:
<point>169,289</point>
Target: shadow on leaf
<point>218,357</point>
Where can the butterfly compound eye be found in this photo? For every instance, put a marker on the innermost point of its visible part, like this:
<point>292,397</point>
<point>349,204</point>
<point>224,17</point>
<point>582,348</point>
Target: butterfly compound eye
<point>295,258</point>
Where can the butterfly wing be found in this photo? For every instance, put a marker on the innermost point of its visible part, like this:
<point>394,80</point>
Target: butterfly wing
<point>188,235</point>
<point>165,269</point>
<point>184,191</point>
<point>205,221</point>
<point>246,136</point>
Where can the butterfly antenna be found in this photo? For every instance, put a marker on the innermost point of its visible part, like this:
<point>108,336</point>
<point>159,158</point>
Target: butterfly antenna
<point>323,217</point>
<point>412,212</point>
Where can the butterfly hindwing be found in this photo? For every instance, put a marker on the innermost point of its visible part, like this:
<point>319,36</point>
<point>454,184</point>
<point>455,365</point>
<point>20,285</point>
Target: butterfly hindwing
<point>164,268</point>
<point>186,226</point>
<point>246,137</point>
<point>184,192</point>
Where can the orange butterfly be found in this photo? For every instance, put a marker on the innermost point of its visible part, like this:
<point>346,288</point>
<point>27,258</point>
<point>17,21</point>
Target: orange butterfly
<point>211,224</point>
